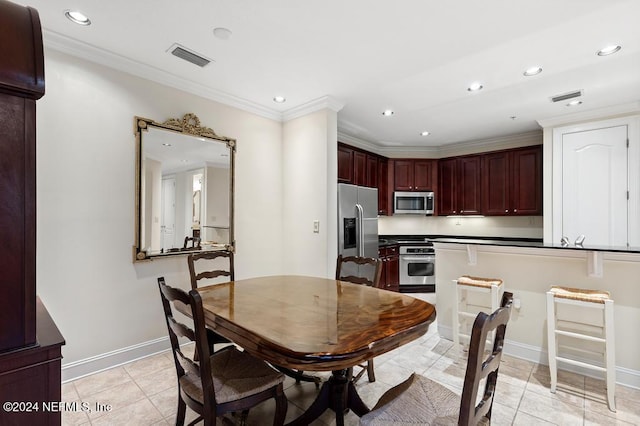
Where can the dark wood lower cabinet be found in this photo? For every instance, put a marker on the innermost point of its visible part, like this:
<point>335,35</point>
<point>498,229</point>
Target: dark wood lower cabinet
<point>30,377</point>
<point>390,279</point>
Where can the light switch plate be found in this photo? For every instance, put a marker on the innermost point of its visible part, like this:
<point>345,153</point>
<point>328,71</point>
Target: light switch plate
<point>316,226</point>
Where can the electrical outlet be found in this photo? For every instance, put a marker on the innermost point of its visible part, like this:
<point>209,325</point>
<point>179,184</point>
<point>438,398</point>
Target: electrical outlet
<point>316,226</point>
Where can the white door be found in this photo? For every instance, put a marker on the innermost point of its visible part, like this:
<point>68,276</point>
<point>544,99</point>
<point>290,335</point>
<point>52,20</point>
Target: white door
<point>595,186</point>
<point>168,218</point>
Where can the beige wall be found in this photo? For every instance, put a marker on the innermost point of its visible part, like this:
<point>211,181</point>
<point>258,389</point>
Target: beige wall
<point>529,273</point>
<point>101,301</point>
<point>310,191</point>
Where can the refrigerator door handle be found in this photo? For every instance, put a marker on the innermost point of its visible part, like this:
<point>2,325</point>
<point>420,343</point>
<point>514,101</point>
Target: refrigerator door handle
<point>360,230</point>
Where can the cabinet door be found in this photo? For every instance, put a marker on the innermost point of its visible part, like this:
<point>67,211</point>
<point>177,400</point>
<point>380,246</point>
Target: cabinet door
<point>372,171</point>
<point>526,181</point>
<point>594,181</point>
<point>393,271</point>
<point>383,186</point>
<point>382,255</point>
<point>359,168</point>
<point>345,164</point>
<point>403,175</point>
<point>469,195</point>
<point>423,171</point>
<point>496,183</point>
<point>446,197</point>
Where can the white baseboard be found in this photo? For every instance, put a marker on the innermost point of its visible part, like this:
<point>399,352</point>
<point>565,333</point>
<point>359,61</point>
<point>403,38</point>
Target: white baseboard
<point>85,367</point>
<point>624,376</point>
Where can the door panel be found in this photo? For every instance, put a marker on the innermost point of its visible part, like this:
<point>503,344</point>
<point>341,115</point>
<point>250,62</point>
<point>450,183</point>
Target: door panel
<point>594,186</point>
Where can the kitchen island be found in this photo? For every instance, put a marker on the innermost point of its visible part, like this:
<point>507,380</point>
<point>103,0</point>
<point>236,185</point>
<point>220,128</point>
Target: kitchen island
<point>528,270</point>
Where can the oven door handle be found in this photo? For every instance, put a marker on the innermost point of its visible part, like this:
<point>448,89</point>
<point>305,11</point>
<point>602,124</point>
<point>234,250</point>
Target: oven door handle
<point>418,258</point>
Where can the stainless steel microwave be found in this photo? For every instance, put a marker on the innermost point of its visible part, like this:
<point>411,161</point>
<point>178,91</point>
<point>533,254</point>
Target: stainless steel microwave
<point>413,203</point>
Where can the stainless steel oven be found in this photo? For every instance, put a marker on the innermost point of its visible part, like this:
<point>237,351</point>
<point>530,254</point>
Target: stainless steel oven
<point>417,269</point>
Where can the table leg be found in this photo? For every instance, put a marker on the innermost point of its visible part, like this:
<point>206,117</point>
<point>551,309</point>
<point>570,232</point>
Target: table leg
<point>338,394</point>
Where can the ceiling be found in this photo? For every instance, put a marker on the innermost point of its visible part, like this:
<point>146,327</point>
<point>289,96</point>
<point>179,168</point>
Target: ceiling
<point>415,57</point>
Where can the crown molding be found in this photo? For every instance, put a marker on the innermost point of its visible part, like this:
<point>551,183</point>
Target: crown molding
<point>64,44</point>
<point>470,147</point>
<point>325,102</point>
<point>593,114</point>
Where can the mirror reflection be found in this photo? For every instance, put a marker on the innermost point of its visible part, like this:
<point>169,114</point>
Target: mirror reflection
<point>184,188</point>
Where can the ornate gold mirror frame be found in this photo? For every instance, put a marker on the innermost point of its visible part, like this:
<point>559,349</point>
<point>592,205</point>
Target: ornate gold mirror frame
<point>177,161</point>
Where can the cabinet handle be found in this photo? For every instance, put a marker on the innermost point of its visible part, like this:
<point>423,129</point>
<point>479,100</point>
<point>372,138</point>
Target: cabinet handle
<point>506,211</point>
<point>515,210</point>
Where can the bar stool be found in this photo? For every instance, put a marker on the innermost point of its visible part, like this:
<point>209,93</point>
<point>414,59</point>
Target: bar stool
<point>604,334</point>
<point>464,312</point>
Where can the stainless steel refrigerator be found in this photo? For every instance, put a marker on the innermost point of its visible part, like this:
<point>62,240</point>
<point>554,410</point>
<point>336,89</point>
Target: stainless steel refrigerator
<point>357,221</point>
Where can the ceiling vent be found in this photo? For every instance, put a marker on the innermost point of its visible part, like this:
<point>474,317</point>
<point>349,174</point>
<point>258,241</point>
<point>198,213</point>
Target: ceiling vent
<point>188,55</point>
<point>566,96</point>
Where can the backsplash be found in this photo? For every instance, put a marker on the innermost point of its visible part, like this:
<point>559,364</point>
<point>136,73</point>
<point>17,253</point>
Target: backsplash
<point>490,226</point>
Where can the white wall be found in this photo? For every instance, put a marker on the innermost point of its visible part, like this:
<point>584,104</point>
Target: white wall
<point>102,301</point>
<point>309,145</point>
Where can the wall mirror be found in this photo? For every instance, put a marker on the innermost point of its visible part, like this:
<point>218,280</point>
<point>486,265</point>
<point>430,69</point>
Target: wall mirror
<point>184,188</point>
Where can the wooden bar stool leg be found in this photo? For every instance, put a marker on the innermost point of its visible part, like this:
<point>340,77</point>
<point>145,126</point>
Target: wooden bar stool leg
<point>552,340</point>
<point>610,354</point>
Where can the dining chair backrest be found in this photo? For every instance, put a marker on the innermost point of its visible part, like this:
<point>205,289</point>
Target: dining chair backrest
<point>481,365</point>
<point>195,332</point>
<point>211,259</point>
<point>359,270</point>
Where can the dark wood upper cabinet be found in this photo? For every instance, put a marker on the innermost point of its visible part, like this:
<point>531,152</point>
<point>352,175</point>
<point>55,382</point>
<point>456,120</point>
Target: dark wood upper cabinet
<point>345,164</point>
<point>415,175</point>
<point>512,182</point>
<point>383,186</point>
<point>359,168</point>
<point>459,189</point>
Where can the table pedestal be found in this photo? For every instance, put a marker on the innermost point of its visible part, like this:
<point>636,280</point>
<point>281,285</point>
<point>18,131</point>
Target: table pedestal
<point>338,394</point>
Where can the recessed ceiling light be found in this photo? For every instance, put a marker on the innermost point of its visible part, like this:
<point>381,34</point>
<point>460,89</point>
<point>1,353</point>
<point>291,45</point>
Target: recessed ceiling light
<point>475,86</point>
<point>279,99</point>
<point>574,103</point>
<point>77,17</point>
<point>387,113</point>
<point>425,133</point>
<point>609,50</point>
<point>166,144</point>
<point>532,71</point>
<point>222,33</point>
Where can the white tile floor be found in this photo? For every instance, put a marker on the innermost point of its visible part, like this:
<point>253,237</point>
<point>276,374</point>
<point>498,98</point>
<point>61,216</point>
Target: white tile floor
<point>145,392</point>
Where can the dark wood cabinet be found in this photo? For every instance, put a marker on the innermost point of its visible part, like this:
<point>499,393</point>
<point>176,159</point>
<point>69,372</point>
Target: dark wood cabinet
<point>415,175</point>
<point>360,177</point>
<point>459,188</point>
<point>357,167</point>
<point>30,344</point>
<point>390,279</point>
<point>383,186</point>
<point>512,182</point>
<point>345,164</point>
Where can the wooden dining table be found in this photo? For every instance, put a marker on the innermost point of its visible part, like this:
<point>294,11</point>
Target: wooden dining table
<point>315,324</point>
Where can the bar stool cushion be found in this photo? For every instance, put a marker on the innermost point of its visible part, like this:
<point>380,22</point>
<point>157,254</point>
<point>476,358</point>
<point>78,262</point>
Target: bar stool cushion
<point>478,281</point>
<point>594,296</point>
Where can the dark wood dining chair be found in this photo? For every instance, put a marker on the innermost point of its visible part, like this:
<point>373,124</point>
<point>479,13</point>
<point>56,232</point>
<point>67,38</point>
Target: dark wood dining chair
<point>223,382</point>
<point>366,271</point>
<point>198,263</point>
<point>197,270</point>
<point>439,404</point>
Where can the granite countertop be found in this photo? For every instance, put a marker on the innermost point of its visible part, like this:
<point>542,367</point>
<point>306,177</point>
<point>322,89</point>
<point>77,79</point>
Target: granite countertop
<point>498,241</point>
